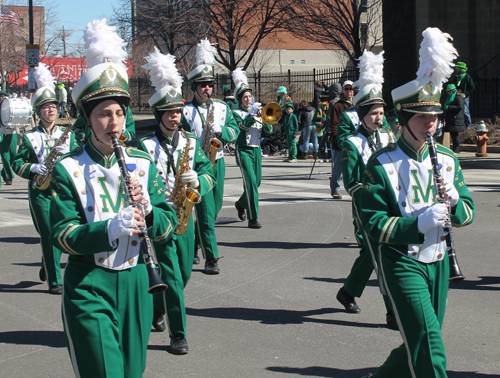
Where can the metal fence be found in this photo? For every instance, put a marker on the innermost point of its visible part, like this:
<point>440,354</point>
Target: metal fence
<point>300,85</point>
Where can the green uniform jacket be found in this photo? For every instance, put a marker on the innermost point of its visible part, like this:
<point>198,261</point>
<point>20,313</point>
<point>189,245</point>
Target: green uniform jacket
<point>200,164</point>
<point>291,124</point>
<point>399,180</point>
<point>246,124</point>
<point>74,235</point>
<point>27,155</point>
<point>82,131</point>
<point>229,129</point>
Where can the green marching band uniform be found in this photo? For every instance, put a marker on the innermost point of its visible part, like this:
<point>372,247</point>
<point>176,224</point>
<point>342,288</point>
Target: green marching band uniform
<point>291,128</point>
<point>8,147</point>
<point>176,259</point>
<point>106,309</point>
<point>224,127</point>
<point>35,148</point>
<point>356,150</point>
<point>399,212</point>
<point>248,151</point>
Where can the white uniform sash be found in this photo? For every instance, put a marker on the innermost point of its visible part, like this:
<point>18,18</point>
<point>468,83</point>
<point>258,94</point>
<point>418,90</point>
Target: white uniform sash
<point>254,132</point>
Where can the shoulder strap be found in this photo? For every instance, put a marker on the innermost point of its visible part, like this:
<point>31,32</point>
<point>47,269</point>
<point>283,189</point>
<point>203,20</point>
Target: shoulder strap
<point>163,143</point>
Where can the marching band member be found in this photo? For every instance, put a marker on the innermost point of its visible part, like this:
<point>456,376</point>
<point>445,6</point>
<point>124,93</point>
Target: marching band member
<point>8,147</point>
<point>248,151</point>
<point>399,210</point>
<point>208,118</point>
<point>106,308</point>
<point>30,163</point>
<point>356,150</point>
<point>179,160</point>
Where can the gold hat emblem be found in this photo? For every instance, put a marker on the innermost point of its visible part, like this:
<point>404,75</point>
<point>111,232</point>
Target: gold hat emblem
<point>429,93</point>
<point>111,78</point>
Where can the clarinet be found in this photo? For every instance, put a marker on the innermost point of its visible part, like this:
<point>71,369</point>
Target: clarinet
<point>455,272</point>
<point>156,285</point>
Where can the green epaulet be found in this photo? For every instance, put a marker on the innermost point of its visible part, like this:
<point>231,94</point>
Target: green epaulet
<point>190,135</point>
<point>388,148</point>
<point>146,137</point>
<point>134,152</point>
<point>444,150</point>
<point>30,131</point>
<point>76,151</point>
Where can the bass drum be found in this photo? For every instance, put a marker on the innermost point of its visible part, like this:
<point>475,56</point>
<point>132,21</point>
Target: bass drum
<point>15,112</point>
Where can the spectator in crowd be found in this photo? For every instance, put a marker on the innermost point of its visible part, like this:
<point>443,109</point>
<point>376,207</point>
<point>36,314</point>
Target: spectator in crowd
<point>272,144</point>
<point>291,127</point>
<point>453,108</point>
<point>62,98</point>
<point>320,92</point>
<point>464,84</point>
<point>281,92</point>
<point>305,117</point>
<point>344,102</point>
<point>321,123</point>
<point>229,98</point>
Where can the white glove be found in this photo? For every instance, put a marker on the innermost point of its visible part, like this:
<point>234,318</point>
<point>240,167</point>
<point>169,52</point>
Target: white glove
<point>215,128</point>
<point>121,225</point>
<point>40,169</point>
<point>191,177</point>
<point>451,193</point>
<point>62,149</point>
<point>433,216</point>
<point>254,109</point>
<point>147,208</point>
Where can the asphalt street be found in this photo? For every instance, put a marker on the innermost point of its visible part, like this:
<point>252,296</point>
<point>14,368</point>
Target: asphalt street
<point>272,311</point>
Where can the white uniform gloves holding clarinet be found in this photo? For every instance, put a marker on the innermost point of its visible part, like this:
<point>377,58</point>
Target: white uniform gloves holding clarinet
<point>437,214</point>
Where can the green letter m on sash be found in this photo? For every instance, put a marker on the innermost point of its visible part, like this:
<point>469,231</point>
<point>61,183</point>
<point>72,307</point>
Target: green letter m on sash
<point>106,197</point>
<point>418,188</point>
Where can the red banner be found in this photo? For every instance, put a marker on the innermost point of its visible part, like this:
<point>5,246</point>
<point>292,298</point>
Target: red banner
<point>63,69</point>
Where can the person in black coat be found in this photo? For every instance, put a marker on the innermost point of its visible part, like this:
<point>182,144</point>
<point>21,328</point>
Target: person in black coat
<point>305,115</point>
<point>453,107</point>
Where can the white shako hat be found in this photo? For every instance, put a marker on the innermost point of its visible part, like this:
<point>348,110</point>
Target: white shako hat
<point>371,70</point>
<point>205,60</point>
<point>240,83</point>
<point>46,88</point>
<point>422,95</point>
<point>107,74</point>
<point>166,80</point>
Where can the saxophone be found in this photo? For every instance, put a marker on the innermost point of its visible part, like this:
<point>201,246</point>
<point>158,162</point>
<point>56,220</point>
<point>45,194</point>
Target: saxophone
<point>42,182</point>
<point>210,145</point>
<point>182,196</point>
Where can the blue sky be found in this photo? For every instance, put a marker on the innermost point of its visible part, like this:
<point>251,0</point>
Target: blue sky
<point>75,14</point>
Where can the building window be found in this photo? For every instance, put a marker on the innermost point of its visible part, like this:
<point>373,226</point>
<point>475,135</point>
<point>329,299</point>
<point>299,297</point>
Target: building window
<point>21,22</point>
<point>303,61</point>
<point>292,61</point>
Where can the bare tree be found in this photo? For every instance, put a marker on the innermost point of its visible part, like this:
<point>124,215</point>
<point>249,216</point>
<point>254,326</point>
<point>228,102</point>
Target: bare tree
<point>238,27</point>
<point>349,25</point>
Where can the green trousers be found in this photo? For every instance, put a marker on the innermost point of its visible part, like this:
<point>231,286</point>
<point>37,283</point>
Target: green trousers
<point>176,263</point>
<point>418,295</point>
<point>249,159</point>
<point>363,266</point>
<point>291,144</point>
<point>107,317</point>
<point>8,147</point>
<point>206,213</point>
<point>40,214</point>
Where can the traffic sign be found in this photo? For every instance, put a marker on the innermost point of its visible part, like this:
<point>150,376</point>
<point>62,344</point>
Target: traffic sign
<point>31,79</point>
<point>32,55</point>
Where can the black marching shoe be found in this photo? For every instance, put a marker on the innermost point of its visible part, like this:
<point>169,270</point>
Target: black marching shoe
<point>390,319</point>
<point>211,266</point>
<point>348,301</point>
<point>42,273</point>
<point>158,321</point>
<point>56,290</point>
<point>196,259</point>
<point>254,223</point>
<point>241,211</point>
<point>8,182</point>
<point>179,345</point>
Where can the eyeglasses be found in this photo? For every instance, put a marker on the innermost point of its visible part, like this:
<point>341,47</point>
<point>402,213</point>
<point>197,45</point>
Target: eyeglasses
<point>49,107</point>
<point>203,85</point>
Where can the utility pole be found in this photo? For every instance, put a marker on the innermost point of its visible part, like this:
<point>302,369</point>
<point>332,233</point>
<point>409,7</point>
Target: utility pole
<point>64,41</point>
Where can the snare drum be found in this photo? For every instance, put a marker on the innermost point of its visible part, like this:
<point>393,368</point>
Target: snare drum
<point>15,112</point>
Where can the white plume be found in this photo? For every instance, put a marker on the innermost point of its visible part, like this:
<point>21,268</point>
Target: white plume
<point>205,53</point>
<point>103,44</point>
<point>371,69</point>
<point>239,77</point>
<point>162,70</point>
<point>436,56</point>
<point>43,76</point>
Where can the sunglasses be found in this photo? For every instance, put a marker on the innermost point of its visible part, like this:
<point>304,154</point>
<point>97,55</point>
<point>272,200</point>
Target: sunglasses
<point>203,85</point>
